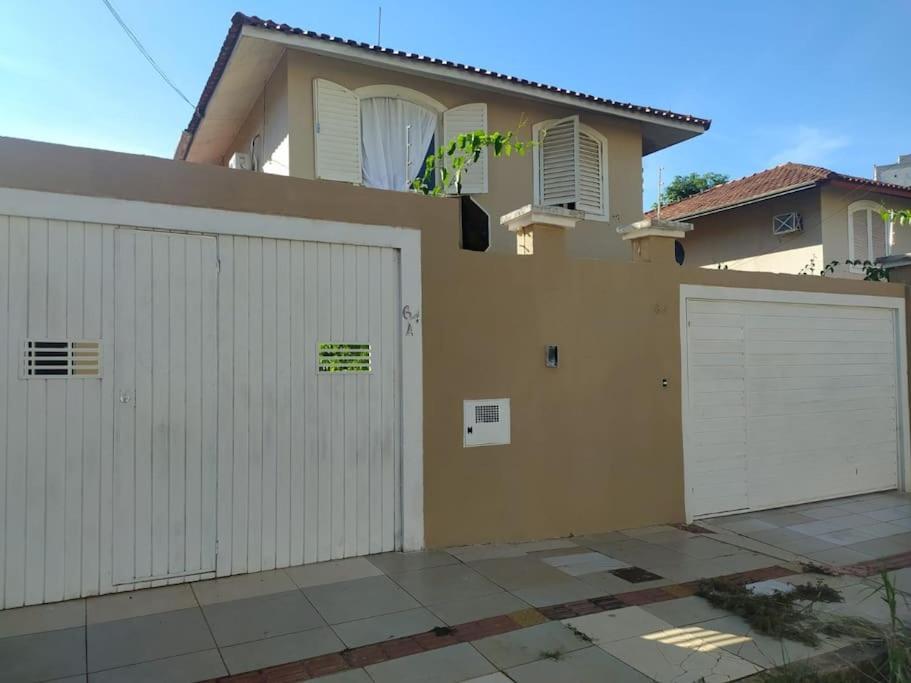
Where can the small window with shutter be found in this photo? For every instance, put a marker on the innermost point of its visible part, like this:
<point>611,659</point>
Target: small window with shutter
<point>571,167</point>
<point>869,235</point>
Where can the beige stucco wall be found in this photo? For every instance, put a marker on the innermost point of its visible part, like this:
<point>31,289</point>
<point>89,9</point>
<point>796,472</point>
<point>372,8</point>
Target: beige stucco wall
<point>742,238</point>
<point>269,119</point>
<point>510,180</point>
<point>596,443</point>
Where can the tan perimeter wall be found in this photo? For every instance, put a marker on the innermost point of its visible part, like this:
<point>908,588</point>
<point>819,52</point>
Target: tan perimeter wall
<point>742,238</point>
<point>596,443</point>
<point>510,180</point>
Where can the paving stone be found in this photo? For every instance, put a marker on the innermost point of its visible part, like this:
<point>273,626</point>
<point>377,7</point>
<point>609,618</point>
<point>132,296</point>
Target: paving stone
<point>529,644</point>
<point>188,668</point>
<point>43,656</point>
<point>119,643</point>
<point>40,618</point>
<point>359,599</point>
<point>242,586</point>
<point>618,624</point>
<point>676,656</point>
<point>685,611</point>
<point>764,651</point>
<point>824,512</point>
<point>398,563</point>
<point>579,564</point>
<point>747,525</point>
<point>139,603</point>
<point>591,665</point>
<point>514,573</point>
<point>281,649</point>
<point>891,513</point>
<point>335,571</point>
<point>386,626</point>
<point>445,584</point>
<point>570,590</point>
<point>446,665</point>
<point>239,621</point>
<point>839,556</point>
<point>353,676</point>
<point>472,609</point>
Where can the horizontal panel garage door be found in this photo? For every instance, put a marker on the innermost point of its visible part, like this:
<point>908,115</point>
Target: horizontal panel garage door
<point>788,403</point>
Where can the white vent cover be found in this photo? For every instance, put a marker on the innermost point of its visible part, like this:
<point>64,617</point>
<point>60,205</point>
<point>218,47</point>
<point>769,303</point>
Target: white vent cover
<point>785,223</point>
<point>486,422</point>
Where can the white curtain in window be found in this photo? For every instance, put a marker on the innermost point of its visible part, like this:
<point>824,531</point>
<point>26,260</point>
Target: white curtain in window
<point>395,135</point>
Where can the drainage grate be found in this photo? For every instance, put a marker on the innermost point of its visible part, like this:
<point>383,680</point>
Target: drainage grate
<point>635,574</point>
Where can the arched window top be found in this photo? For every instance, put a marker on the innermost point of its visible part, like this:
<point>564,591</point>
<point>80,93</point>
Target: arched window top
<point>865,204</point>
<point>400,92</point>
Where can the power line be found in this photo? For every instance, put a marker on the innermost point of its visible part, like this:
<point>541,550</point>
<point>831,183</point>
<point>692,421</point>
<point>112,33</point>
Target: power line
<point>145,53</point>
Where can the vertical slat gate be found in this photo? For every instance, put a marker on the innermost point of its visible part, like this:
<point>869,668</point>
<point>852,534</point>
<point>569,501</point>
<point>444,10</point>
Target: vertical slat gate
<point>163,427</point>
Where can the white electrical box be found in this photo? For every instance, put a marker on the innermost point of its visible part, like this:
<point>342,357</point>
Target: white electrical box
<point>239,160</point>
<point>486,422</point>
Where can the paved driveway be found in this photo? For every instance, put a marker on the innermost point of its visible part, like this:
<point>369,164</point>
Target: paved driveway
<point>617,606</point>
<point>835,532</point>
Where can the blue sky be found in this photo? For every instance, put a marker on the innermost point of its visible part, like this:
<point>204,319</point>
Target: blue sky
<point>823,82</point>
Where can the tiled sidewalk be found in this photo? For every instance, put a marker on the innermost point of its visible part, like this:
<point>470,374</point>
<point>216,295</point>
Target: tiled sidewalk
<point>567,609</point>
<point>835,532</point>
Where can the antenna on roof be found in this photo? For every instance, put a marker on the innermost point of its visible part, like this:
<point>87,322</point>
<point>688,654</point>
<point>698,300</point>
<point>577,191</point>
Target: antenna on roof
<point>658,212</point>
<point>379,24</point>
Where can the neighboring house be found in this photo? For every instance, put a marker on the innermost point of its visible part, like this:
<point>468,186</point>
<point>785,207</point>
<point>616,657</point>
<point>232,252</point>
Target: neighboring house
<point>793,218</point>
<point>899,173</point>
<point>287,101</point>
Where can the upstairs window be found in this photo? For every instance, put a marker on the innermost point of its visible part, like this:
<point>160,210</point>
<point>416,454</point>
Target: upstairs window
<point>869,236</point>
<point>571,167</point>
<point>381,135</point>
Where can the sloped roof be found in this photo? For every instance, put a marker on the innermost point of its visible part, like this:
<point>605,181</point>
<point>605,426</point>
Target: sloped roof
<point>788,177</point>
<point>240,20</point>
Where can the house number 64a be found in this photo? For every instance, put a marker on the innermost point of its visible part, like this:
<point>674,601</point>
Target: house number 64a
<point>411,319</point>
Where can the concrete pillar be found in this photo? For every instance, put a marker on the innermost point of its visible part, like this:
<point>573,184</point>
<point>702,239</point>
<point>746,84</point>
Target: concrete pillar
<point>541,230</point>
<point>652,239</point>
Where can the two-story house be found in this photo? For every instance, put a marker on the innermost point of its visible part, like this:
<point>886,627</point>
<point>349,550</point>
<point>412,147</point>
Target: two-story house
<point>287,101</point>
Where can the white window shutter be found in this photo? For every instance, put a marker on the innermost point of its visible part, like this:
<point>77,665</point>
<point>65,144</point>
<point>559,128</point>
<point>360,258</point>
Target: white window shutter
<point>590,180</point>
<point>467,119</point>
<point>337,132</point>
<point>559,163</point>
<point>860,244</point>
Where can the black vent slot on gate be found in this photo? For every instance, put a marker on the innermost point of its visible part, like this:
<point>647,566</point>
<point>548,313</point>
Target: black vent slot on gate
<point>63,358</point>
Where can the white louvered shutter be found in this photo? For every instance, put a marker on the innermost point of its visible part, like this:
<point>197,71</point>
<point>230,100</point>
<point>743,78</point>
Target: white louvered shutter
<point>338,132</point>
<point>590,180</point>
<point>861,236</point>
<point>467,119</point>
<point>558,168</point>
<point>878,235</point>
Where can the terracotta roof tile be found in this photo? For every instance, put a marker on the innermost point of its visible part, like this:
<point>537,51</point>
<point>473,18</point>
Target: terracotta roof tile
<point>239,20</point>
<point>774,181</point>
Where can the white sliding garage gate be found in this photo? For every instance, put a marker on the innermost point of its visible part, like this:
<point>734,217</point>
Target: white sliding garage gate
<point>187,393</point>
<point>790,397</point>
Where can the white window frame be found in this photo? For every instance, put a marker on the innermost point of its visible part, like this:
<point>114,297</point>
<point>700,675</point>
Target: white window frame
<point>604,216</point>
<point>870,207</point>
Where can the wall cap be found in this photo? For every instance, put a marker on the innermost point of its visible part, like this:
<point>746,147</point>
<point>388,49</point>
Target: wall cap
<point>649,227</point>
<point>894,260</point>
<point>547,216</point>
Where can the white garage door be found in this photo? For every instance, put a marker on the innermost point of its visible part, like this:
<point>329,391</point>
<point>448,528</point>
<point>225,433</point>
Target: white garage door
<point>788,402</point>
<point>179,405</point>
